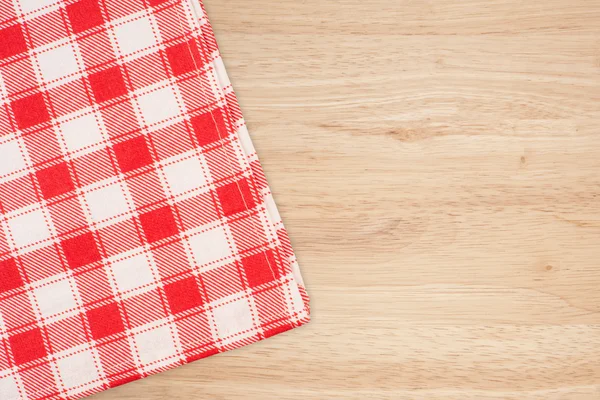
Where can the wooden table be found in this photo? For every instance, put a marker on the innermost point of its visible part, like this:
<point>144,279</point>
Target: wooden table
<point>437,164</point>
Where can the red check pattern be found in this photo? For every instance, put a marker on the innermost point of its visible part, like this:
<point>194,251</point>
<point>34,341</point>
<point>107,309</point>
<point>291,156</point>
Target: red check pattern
<point>137,230</point>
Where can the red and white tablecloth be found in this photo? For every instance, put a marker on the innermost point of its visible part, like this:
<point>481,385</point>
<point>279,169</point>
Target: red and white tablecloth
<point>137,230</point>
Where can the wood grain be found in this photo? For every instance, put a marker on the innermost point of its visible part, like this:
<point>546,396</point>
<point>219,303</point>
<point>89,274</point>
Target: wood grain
<point>437,164</point>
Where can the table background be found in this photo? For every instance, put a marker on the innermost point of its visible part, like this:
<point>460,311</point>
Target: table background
<point>437,164</point>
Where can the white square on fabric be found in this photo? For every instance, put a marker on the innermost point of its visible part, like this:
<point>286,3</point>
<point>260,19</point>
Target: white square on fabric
<point>233,318</point>
<point>210,246</point>
<point>107,202</point>
<point>12,158</point>
<point>58,62</point>
<point>134,35</point>
<point>29,228</point>
<point>77,370</point>
<point>186,175</point>
<point>9,388</point>
<point>154,345</point>
<point>158,105</point>
<point>55,298</point>
<point>28,6</point>
<point>81,132</point>
<point>132,273</point>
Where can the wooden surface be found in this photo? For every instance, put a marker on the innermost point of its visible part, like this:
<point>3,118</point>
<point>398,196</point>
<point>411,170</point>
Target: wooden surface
<point>437,164</point>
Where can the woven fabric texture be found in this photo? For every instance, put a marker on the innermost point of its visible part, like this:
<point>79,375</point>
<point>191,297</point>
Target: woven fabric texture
<point>137,230</point>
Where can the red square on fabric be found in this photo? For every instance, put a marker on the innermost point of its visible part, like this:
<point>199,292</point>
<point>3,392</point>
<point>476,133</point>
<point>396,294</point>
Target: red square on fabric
<point>183,295</point>
<point>132,154</point>
<point>260,268</point>
<point>27,346</point>
<point>183,58</point>
<point>80,250</point>
<point>105,321</point>
<point>55,180</point>
<point>30,111</point>
<point>9,275</point>
<point>158,224</point>
<point>84,14</point>
<point>12,41</point>
<point>235,197</point>
<point>107,84</point>
<point>209,127</point>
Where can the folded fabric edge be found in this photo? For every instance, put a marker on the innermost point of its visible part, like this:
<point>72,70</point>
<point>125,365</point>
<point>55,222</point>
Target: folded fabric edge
<point>234,113</point>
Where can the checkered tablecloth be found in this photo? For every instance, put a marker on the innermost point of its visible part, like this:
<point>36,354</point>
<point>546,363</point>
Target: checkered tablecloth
<point>137,230</point>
